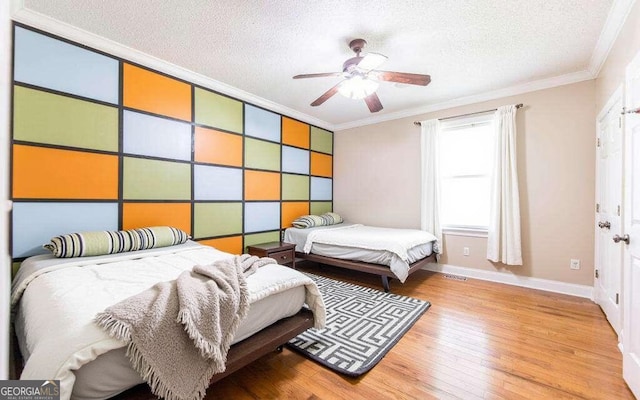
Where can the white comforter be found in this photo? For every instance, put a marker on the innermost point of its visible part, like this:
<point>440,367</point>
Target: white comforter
<point>60,297</point>
<point>394,240</point>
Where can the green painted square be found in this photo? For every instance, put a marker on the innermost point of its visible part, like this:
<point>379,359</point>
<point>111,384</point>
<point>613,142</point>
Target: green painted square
<point>53,119</point>
<point>295,187</point>
<point>218,111</point>
<point>259,154</point>
<point>321,140</point>
<point>257,238</point>
<point>14,268</point>
<point>217,219</point>
<point>145,179</point>
<point>321,207</point>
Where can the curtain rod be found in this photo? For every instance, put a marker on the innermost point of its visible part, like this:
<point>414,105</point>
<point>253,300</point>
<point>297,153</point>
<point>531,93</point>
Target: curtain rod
<point>466,115</point>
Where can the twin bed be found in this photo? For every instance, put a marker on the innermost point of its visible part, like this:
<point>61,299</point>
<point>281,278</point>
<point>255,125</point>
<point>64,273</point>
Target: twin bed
<point>55,300</point>
<point>388,252</point>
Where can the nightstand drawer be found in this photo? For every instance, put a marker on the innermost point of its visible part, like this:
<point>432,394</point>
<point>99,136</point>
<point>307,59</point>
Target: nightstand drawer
<point>283,257</point>
<point>283,253</point>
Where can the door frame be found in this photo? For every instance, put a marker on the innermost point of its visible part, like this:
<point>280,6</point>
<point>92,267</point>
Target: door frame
<point>630,361</point>
<point>616,98</point>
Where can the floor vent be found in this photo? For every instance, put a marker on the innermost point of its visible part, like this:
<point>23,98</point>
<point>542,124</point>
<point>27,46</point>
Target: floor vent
<point>455,277</point>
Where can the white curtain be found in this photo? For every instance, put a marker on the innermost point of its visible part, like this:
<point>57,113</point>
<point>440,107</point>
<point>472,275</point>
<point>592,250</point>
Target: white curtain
<point>503,241</point>
<point>430,183</point>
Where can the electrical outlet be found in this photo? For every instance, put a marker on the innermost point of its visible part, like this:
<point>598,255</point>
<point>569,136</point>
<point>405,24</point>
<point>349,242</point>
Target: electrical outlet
<point>575,264</point>
<point>465,251</point>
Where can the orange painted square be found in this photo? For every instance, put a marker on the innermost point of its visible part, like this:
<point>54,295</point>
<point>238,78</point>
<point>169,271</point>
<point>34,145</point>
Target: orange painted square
<point>159,94</point>
<point>293,210</point>
<point>259,185</point>
<point>321,164</point>
<point>139,215</point>
<point>295,133</point>
<point>217,147</point>
<point>44,173</point>
<point>231,244</point>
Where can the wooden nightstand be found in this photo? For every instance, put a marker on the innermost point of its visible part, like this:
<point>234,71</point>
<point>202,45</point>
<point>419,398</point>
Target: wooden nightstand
<point>283,253</point>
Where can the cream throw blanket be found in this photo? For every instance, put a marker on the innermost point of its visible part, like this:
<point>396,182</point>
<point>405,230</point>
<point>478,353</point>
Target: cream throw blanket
<point>178,333</point>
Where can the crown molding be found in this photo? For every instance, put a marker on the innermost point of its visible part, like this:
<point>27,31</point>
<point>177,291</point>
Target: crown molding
<point>533,86</point>
<point>616,18</point>
<point>70,32</point>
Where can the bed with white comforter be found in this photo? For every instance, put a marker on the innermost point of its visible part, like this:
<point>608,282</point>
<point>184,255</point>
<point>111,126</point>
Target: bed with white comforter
<point>55,302</point>
<point>391,247</point>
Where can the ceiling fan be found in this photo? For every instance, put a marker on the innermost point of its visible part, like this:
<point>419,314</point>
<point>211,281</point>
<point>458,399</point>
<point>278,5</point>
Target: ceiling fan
<point>361,78</point>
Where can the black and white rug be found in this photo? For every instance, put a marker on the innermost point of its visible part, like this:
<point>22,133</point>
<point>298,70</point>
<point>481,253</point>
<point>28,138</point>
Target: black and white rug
<point>363,324</point>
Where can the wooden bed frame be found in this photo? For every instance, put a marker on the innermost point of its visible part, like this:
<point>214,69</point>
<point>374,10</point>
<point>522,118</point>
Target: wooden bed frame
<point>270,339</point>
<point>377,269</point>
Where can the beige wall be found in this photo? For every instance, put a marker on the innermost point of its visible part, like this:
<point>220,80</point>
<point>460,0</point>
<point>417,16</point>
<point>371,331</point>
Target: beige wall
<point>626,47</point>
<point>377,181</point>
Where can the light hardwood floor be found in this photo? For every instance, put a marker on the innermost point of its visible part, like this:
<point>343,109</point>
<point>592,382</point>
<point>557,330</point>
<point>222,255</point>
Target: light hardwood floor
<point>479,340</point>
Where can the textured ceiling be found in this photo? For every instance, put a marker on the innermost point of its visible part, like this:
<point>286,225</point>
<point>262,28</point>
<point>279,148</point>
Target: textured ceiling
<point>469,47</point>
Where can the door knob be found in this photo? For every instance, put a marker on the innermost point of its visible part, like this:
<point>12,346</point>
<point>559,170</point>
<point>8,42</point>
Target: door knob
<point>624,238</point>
<point>605,224</point>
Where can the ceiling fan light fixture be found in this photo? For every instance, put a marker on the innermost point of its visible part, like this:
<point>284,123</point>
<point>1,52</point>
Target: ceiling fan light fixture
<point>361,77</point>
<point>358,87</point>
<point>371,61</point>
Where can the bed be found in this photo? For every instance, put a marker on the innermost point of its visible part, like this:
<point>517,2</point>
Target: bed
<point>390,253</point>
<point>56,299</point>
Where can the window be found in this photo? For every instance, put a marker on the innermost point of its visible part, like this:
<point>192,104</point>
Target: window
<point>466,149</point>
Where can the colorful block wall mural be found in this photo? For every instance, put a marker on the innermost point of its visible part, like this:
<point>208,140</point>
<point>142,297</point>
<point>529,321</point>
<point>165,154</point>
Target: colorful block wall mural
<point>102,144</point>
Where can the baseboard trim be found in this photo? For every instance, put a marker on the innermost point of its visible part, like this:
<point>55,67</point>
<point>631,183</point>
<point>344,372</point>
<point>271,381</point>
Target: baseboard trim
<point>515,280</point>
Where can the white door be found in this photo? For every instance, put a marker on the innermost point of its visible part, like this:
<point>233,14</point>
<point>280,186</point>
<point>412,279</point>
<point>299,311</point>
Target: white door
<point>609,190</point>
<point>631,271</point>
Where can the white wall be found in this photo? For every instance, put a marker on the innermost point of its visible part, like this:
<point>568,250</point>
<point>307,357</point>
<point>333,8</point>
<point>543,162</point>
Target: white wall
<point>5,264</point>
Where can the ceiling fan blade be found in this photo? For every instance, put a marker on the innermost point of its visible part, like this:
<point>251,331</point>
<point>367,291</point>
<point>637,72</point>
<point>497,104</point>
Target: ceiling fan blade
<point>327,95</point>
<point>371,61</point>
<point>373,102</point>
<point>403,77</point>
<point>320,75</point>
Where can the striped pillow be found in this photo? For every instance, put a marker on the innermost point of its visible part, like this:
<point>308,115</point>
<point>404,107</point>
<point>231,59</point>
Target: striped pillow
<point>308,221</point>
<point>331,218</point>
<point>160,236</point>
<point>85,244</point>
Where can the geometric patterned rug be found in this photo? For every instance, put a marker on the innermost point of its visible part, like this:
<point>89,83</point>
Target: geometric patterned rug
<point>363,324</point>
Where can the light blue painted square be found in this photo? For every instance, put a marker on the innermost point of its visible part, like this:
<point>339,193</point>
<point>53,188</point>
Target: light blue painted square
<point>260,217</point>
<point>157,137</point>
<point>50,63</point>
<point>321,189</point>
<point>34,224</point>
<point>295,160</point>
<point>261,123</point>
<point>217,183</point>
